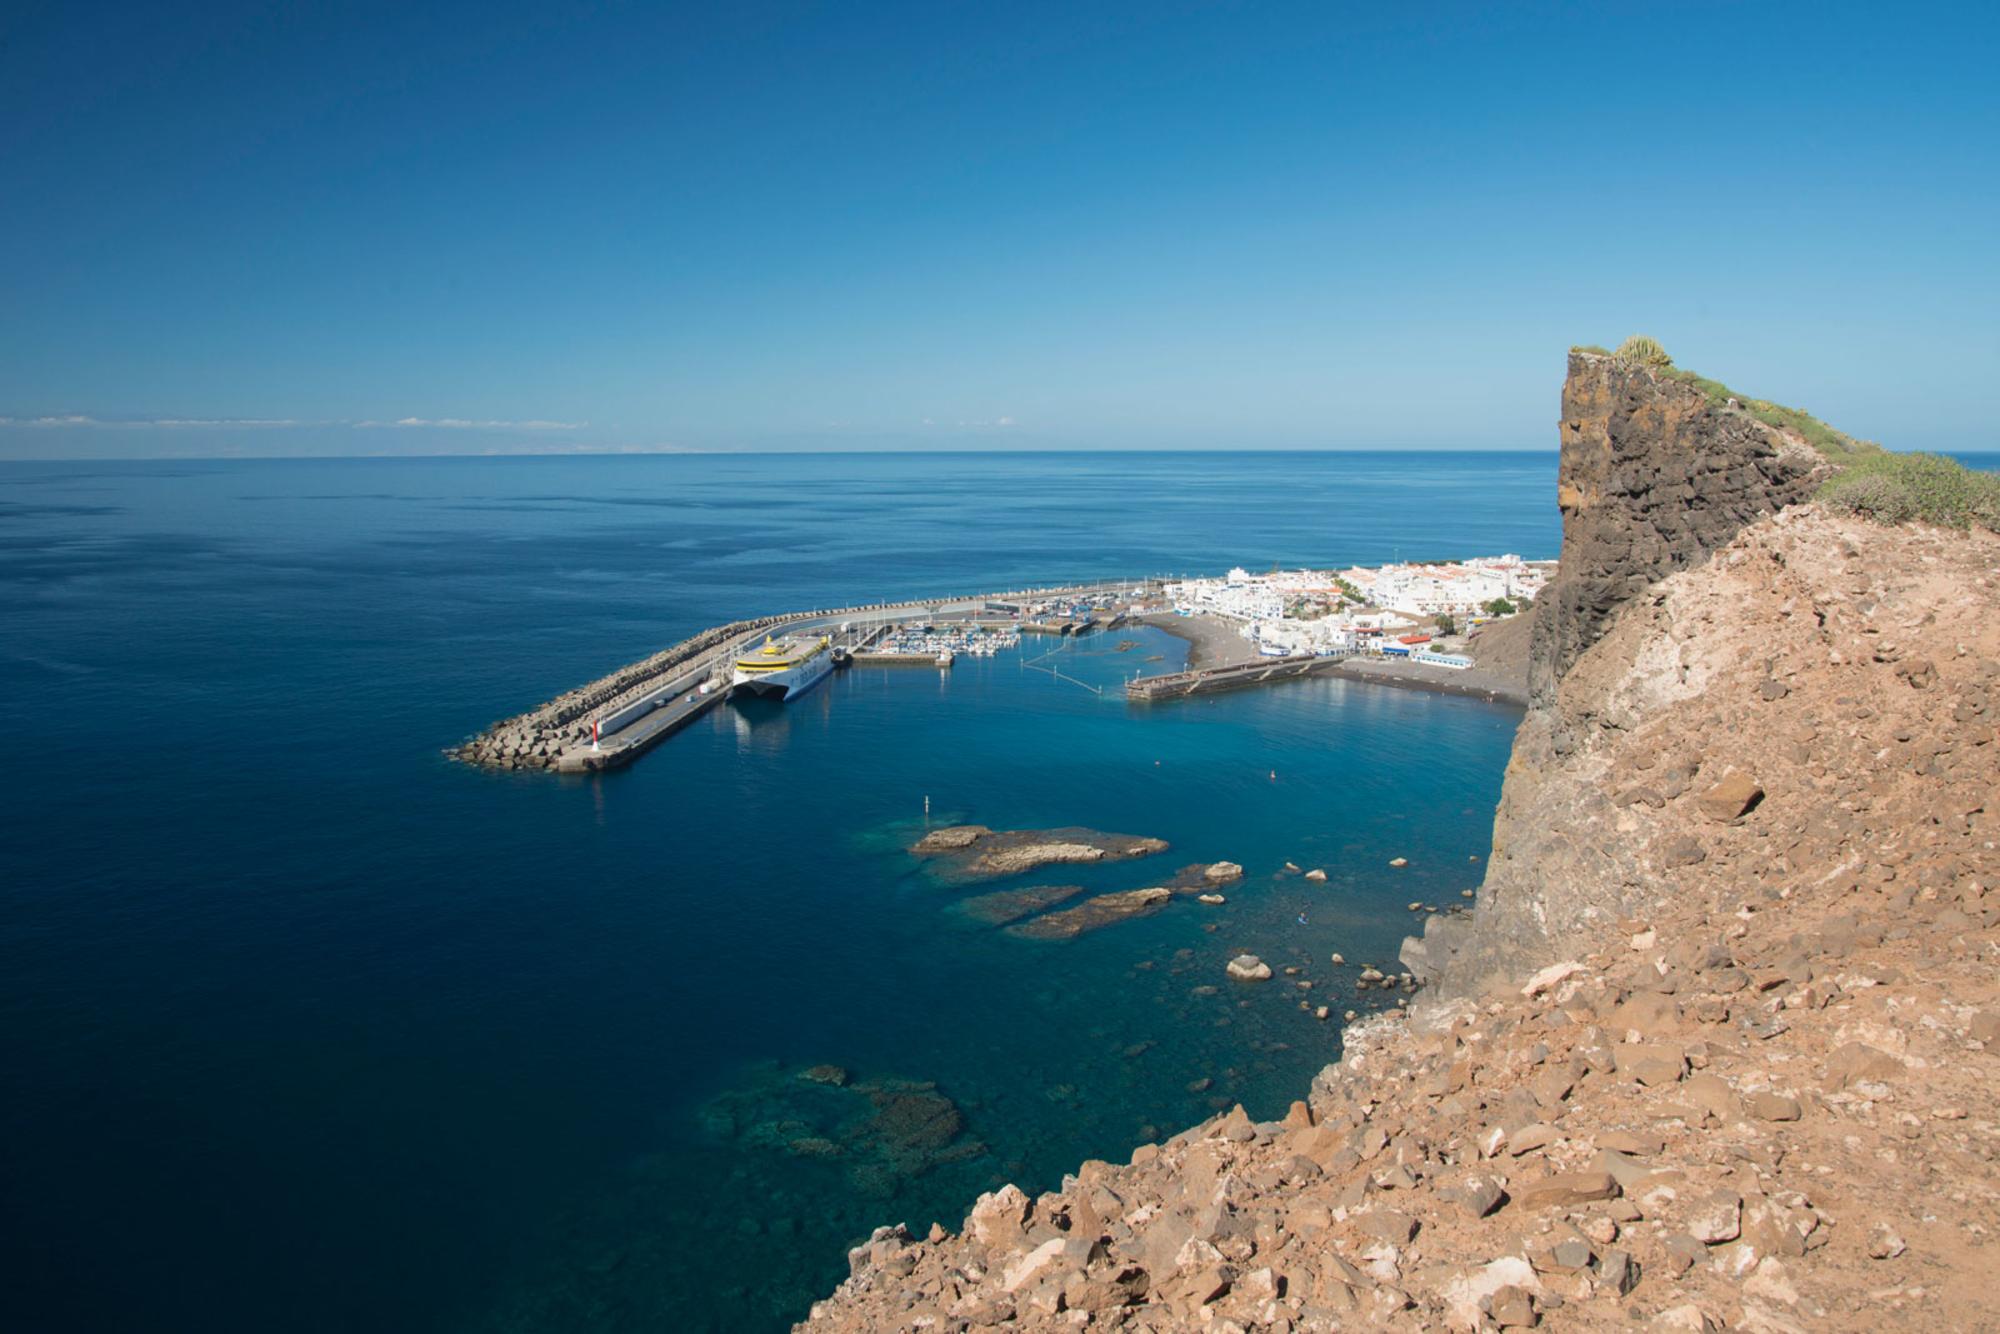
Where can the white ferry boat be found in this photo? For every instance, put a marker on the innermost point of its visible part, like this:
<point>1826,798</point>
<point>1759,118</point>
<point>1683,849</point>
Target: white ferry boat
<point>783,667</point>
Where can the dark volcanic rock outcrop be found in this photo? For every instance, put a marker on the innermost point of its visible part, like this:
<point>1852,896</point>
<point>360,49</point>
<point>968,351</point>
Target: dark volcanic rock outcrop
<point>1653,478</point>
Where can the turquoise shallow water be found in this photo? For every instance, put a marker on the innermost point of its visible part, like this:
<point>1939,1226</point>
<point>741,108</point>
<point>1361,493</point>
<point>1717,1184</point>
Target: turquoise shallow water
<point>309,1029</point>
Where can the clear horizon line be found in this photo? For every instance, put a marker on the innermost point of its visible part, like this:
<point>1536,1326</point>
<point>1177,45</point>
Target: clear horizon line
<point>494,455</point>
<point>497,455</point>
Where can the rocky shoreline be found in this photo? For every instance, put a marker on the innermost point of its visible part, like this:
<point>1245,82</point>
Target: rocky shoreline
<point>1715,1048</point>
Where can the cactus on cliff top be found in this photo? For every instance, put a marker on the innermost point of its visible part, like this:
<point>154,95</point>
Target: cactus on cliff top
<point>1640,350</point>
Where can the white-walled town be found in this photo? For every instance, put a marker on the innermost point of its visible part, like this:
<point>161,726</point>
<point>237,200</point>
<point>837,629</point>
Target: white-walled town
<point>1400,609</point>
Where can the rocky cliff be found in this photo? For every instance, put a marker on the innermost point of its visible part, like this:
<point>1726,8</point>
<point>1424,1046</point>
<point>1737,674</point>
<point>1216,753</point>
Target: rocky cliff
<point>1718,1047</point>
<point>1654,476</point>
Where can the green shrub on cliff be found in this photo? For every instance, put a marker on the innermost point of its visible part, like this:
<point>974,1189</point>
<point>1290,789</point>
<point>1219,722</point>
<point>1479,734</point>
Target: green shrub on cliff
<point>1640,350</point>
<point>1837,446</point>
<point>1898,488</point>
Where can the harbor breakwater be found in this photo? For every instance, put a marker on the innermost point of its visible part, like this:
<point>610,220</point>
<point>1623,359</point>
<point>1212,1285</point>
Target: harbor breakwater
<point>540,737</point>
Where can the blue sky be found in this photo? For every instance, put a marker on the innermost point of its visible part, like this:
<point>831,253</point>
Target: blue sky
<point>275,229</point>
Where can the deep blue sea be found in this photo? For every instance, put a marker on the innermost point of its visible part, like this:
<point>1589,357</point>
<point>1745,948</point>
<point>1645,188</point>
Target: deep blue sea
<point>306,1028</point>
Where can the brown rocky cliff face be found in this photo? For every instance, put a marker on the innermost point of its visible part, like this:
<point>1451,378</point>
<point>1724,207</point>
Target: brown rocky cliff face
<point>1653,479</point>
<point>1757,1090</point>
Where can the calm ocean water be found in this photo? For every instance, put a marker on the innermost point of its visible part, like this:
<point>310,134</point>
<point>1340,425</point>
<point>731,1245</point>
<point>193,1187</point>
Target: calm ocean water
<point>307,1029</point>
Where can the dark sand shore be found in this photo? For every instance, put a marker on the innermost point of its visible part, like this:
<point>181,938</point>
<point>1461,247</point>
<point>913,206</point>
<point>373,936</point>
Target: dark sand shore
<point>1211,641</point>
<point>1500,672</point>
<point>1478,682</point>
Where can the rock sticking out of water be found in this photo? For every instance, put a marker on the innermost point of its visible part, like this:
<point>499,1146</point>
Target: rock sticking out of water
<point>1092,914</point>
<point>953,838</point>
<point>976,851</point>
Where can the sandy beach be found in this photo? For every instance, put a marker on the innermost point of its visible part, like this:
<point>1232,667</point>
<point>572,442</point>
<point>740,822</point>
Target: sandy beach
<point>1211,641</point>
<point>1478,682</point>
<point>1499,674</point>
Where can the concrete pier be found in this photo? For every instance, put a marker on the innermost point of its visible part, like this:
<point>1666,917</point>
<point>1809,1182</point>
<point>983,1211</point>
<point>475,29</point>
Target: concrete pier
<point>1178,685</point>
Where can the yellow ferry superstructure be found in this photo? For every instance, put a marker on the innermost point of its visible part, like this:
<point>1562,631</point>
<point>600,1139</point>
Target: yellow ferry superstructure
<point>783,667</point>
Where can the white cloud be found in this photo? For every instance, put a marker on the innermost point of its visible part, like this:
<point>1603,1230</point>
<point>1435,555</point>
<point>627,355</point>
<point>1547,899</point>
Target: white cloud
<point>467,424</point>
<point>226,422</point>
<point>976,423</point>
<point>156,423</point>
<point>269,423</point>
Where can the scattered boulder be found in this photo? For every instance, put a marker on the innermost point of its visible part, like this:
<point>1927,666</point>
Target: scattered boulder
<point>1853,1062</point>
<point>1221,873</point>
<point>1550,976</point>
<point>1730,799</point>
<point>1249,968</point>
<point>1565,1188</point>
<point>1716,1217</point>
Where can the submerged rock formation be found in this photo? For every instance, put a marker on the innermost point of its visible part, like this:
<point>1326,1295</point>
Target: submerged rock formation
<point>1093,913</point>
<point>1720,1045</point>
<point>973,851</point>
